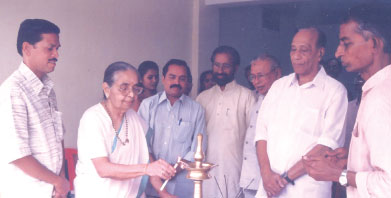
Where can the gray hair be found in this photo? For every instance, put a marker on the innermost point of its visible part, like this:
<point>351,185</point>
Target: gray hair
<point>114,68</point>
<point>373,21</point>
<point>275,64</point>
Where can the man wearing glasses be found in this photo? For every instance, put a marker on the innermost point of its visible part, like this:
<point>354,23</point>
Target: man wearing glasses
<point>227,107</point>
<point>174,120</point>
<point>302,114</point>
<point>264,70</point>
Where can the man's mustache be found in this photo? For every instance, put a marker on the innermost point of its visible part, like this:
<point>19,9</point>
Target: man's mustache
<point>53,59</point>
<point>176,85</point>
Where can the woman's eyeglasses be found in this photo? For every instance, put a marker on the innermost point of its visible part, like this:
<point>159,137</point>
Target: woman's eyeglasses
<point>125,89</point>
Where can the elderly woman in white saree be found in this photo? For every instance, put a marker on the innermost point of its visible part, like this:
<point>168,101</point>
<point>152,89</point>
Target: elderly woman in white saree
<point>113,153</point>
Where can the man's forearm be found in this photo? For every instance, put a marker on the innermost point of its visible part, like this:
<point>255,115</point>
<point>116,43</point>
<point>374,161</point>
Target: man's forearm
<point>352,179</point>
<point>298,169</point>
<point>156,182</point>
<point>272,182</point>
<point>34,168</point>
<point>62,172</point>
<point>263,159</point>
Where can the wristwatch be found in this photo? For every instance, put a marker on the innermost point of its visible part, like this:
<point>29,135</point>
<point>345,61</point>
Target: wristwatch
<point>343,178</point>
<point>289,180</point>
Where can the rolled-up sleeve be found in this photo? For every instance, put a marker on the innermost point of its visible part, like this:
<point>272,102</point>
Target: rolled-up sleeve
<point>333,134</point>
<point>261,128</point>
<point>262,119</point>
<point>14,130</point>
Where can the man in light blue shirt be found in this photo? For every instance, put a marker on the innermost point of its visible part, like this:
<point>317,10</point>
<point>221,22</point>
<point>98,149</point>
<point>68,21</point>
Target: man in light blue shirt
<point>174,120</point>
<point>265,69</point>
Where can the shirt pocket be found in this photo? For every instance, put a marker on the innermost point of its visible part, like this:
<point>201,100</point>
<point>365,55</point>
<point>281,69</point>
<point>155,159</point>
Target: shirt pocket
<point>58,126</point>
<point>308,120</point>
<point>182,131</point>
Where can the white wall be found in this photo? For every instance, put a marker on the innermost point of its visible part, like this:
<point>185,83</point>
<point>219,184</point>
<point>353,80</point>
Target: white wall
<point>93,35</point>
<point>206,37</point>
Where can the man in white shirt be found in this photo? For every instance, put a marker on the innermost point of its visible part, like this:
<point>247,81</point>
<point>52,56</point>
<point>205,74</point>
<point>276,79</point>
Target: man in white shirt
<point>264,70</point>
<point>365,47</point>
<point>31,138</point>
<point>302,114</point>
<point>227,111</point>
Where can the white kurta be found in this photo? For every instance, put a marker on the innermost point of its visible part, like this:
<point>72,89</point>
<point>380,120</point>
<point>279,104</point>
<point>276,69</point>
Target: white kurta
<point>95,139</point>
<point>293,119</point>
<point>227,116</point>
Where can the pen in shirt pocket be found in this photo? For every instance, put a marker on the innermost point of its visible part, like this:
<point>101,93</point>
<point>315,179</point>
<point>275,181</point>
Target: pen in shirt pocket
<point>180,121</point>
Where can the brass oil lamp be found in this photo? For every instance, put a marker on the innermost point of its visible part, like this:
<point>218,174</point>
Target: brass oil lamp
<point>198,170</point>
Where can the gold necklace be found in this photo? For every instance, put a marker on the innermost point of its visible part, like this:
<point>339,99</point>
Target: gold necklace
<point>117,132</point>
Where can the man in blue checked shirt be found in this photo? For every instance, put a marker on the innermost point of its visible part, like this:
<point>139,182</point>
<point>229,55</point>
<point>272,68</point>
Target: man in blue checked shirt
<point>175,120</point>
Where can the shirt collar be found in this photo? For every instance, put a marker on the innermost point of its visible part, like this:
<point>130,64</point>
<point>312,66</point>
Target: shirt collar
<point>318,81</point>
<point>376,79</point>
<point>258,95</point>
<point>34,82</point>
<point>163,97</point>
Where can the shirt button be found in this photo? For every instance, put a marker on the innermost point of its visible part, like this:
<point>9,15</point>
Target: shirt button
<point>256,111</point>
<point>245,158</point>
<point>246,142</point>
<point>251,126</point>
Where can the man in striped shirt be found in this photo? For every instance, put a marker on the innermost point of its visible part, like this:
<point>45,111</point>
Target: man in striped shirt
<point>31,132</point>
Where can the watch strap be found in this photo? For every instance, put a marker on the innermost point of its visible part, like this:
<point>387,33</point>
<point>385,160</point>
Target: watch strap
<point>289,180</point>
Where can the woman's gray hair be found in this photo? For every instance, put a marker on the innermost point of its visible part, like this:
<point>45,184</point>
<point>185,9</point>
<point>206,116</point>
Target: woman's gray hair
<point>115,67</point>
